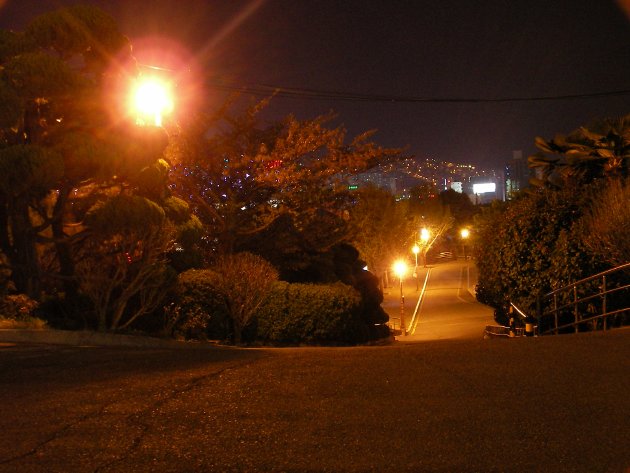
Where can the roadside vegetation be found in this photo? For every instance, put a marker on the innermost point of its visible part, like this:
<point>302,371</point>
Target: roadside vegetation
<point>182,229</point>
<point>219,225</point>
<point>570,225</point>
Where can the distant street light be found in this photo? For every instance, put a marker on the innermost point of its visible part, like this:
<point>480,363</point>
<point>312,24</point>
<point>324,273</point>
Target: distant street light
<point>424,238</point>
<point>464,233</point>
<point>400,269</point>
<point>424,235</point>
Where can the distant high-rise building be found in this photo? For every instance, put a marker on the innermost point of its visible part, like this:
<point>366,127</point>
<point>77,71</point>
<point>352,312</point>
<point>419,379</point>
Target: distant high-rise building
<point>517,175</point>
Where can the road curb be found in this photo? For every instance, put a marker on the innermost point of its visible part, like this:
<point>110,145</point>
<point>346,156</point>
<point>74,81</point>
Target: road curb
<point>89,338</point>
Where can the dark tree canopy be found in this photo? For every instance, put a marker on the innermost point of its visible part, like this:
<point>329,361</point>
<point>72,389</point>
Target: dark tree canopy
<point>247,179</point>
<point>76,175</point>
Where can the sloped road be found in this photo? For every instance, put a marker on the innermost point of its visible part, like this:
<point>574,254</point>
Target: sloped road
<point>549,404</point>
<point>447,310</point>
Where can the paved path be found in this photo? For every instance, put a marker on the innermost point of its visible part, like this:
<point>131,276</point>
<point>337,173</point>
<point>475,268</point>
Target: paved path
<point>448,309</point>
<point>549,404</point>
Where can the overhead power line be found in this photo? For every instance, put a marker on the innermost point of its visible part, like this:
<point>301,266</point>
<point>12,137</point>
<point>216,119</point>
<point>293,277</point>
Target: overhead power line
<point>314,94</point>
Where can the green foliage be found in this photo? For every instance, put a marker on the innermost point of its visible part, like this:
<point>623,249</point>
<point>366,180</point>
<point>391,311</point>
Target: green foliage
<point>460,206</point>
<point>60,149</point>
<point>39,74</point>
<point>223,300</point>
<point>125,214</point>
<point>606,224</point>
<point>285,314</point>
<point>17,306</point>
<point>245,176</point>
<point>600,150</point>
<point>13,43</point>
<point>199,310</point>
<point>380,227</point>
<point>532,246</point>
<point>153,179</point>
<point>243,280</point>
<point>312,314</point>
<point>85,156</point>
<point>10,106</point>
<point>80,29</point>
<point>18,311</point>
<point>5,276</point>
<point>29,169</point>
<point>176,209</point>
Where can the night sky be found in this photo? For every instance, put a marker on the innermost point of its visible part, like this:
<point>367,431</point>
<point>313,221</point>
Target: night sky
<point>371,52</point>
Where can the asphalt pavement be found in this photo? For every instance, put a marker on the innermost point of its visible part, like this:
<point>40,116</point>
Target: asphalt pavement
<point>549,404</point>
<point>438,400</point>
<point>438,304</point>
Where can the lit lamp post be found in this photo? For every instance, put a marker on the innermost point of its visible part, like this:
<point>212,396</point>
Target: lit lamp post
<point>415,250</point>
<point>400,269</point>
<point>464,233</point>
<point>151,99</point>
<point>424,238</point>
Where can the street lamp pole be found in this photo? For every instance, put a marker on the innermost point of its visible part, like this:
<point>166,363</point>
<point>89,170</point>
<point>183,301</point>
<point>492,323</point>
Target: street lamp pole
<point>415,250</point>
<point>400,268</point>
<point>402,309</point>
<point>464,233</point>
<point>424,237</point>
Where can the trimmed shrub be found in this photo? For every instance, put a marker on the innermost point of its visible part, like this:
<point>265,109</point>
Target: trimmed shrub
<point>243,281</point>
<point>312,314</point>
<point>199,311</point>
<point>17,311</point>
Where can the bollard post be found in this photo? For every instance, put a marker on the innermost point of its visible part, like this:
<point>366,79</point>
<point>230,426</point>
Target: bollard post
<point>512,332</point>
<point>529,327</point>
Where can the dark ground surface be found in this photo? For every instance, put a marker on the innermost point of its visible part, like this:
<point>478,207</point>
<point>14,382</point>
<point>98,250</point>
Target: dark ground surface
<point>551,404</point>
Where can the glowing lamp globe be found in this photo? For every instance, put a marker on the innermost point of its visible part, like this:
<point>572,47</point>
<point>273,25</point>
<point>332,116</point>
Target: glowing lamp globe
<point>151,100</point>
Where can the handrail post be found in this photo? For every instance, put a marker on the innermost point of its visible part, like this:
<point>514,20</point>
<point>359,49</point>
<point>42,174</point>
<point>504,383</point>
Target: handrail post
<point>555,312</point>
<point>538,311</point>
<point>604,316</point>
<point>575,307</point>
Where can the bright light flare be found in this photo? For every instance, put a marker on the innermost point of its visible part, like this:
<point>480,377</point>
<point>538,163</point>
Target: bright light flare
<point>465,233</point>
<point>424,235</point>
<point>400,268</point>
<point>415,250</point>
<point>151,100</point>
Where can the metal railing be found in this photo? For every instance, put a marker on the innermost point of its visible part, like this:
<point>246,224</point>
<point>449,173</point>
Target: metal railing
<point>503,331</point>
<point>520,325</point>
<point>565,303</point>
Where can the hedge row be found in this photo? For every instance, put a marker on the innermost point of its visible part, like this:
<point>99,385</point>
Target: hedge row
<point>310,313</point>
<point>291,314</point>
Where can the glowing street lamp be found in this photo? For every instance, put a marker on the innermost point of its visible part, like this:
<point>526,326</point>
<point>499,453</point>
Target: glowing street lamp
<point>400,269</point>
<point>424,237</point>
<point>464,233</point>
<point>415,250</point>
<point>151,99</point>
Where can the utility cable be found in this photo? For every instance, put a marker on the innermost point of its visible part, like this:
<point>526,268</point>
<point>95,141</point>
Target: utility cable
<point>315,94</point>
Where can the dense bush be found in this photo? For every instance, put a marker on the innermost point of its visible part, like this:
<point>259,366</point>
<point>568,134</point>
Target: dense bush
<point>18,311</point>
<point>291,313</point>
<point>67,313</point>
<point>198,310</point>
<point>313,314</point>
<point>243,281</point>
<point>534,245</point>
